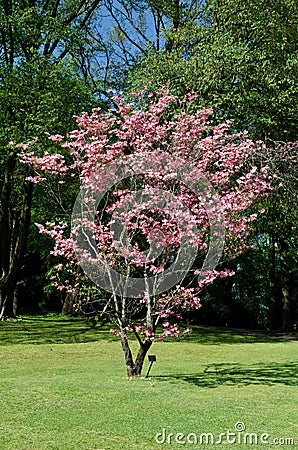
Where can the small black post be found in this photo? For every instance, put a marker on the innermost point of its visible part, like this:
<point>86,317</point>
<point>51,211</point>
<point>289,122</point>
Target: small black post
<point>151,359</point>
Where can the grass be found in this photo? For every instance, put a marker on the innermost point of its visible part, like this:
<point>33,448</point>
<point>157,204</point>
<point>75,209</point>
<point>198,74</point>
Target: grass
<point>63,387</point>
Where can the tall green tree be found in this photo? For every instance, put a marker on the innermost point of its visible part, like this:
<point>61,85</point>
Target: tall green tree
<point>40,89</point>
<point>241,58</point>
<point>128,31</point>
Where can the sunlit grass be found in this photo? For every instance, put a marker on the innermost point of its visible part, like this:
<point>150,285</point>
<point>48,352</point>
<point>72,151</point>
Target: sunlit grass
<point>71,392</point>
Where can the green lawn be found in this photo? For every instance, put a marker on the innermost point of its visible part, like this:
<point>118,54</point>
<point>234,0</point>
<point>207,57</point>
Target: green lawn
<point>63,386</point>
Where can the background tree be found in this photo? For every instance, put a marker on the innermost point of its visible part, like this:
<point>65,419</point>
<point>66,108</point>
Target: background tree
<point>40,90</point>
<point>281,227</point>
<point>128,31</point>
<point>241,60</point>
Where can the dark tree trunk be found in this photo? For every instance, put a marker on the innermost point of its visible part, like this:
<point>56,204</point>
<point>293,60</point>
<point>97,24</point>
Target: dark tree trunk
<point>67,308</point>
<point>273,307</point>
<point>176,14</point>
<point>127,357</point>
<point>134,368</point>
<point>285,280</point>
<point>139,362</point>
<point>14,229</point>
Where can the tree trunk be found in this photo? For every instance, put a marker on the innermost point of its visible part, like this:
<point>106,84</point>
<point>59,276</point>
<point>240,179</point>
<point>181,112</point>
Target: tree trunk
<point>14,229</point>
<point>7,297</point>
<point>134,369</point>
<point>67,308</point>
<point>143,350</point>
<point>273,307</point>
<point>127,356</point>
<point>285,280</point>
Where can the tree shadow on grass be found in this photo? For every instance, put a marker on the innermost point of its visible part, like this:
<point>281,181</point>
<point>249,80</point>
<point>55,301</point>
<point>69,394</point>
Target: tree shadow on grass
<point>62,330</point>
<point>218,335</point>
<point>217,375</point>
<point>51,331</point>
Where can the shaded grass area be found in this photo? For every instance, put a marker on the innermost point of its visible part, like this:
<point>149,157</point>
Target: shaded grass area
<point>51,329</point>
<point>70,391</point>
<point>241,375</point>
<point>58,329</point>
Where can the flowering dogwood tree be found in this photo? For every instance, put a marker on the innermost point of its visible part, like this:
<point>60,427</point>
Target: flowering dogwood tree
<point>164,195</point>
